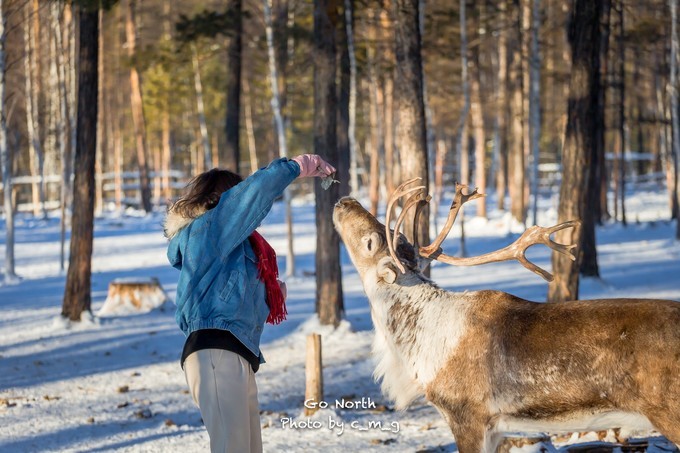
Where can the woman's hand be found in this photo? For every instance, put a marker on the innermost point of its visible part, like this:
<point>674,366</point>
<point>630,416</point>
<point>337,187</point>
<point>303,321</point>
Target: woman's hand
<point>313,165</point>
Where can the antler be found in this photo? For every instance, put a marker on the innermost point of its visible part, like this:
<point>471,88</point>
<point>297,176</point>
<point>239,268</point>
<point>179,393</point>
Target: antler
<point>515,251</point>
<point>398,193</point>
<point>458,200</point>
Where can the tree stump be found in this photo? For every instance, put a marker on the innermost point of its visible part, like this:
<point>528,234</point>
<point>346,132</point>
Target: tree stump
<point>313,375</point>
<point>133,296</point>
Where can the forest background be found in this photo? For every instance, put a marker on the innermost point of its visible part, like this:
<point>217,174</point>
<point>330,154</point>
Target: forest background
<point>109,105</point>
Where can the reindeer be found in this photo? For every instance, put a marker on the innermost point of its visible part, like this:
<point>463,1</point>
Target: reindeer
<point>491,362</point>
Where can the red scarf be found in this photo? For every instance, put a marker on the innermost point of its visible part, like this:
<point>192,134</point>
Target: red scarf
<point>268,273</point>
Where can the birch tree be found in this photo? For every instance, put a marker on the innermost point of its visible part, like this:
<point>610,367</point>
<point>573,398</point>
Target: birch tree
<point>280,132</point>
<point>6,159</point>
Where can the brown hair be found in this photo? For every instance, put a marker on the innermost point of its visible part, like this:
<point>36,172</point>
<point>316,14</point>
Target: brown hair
<point>203,192</point>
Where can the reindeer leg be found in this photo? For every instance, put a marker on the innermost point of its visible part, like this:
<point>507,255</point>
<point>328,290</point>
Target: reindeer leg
<point>667,425</point>
<point>468,426</point>
<point>469,440</point>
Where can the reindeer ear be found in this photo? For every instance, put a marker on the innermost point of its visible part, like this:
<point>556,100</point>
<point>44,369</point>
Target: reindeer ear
<point>371,243</point>
<point>387,270</point>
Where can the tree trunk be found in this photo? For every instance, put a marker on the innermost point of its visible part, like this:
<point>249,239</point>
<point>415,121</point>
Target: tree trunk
<point>137,109</point>
<point>329,301</point>
<point>660,113</point>
<point>534,104</point>
<point>375,114</point>
<point>392,167</point>
<point>344,89</point>
<point>77,296</point>
<point>53,106</point>
<point>250,130</point>
<point>69,39</point>
<point>101,122</point>
<point>502,109</point>
<point>232,155</point>
<point>200,109</point>
<point>580,141</point>
<point>156,172</point>
<point>477,123</point>
<point>117,119</point>
<point>284,45</point>
<point>166,135</point>
<point>462,135</point>
<point>525,45</point>
<point>439,159</point>
<point>675,121</point>
<point>593,214</point>
<point>411,133</point>
<point>6,159</point>
<point>166,144</point>
<point>32,113</point>
<point>602,210</point>
<point>280,131</point>
<point>429,129</point>
<point>623,136</point>
<point>516,162</point>
<point>39,106</point>
<point>352,101</point>
<point>63,129</point>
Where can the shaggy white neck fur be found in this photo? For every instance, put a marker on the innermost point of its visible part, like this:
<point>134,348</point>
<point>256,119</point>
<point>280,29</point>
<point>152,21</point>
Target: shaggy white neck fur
<point>406,367</point>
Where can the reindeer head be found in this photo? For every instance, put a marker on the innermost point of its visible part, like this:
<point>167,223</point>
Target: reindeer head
<point>379,253</point>
<point>365,240</point>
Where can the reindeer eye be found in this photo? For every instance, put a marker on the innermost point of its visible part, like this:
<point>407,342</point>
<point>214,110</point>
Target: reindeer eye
<point>369,243</point>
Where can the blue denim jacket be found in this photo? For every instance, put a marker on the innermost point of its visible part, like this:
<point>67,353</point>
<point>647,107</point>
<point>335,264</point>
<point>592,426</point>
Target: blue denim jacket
<point>218,285</point>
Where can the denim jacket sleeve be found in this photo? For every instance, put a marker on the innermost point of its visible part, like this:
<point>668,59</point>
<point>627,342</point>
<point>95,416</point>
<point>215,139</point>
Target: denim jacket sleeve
<point>242,208</point>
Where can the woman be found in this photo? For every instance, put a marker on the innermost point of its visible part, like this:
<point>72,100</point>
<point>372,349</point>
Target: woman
<point>227,288</point>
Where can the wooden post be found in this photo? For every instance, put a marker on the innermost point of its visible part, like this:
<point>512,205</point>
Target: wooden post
<point>314,378</point>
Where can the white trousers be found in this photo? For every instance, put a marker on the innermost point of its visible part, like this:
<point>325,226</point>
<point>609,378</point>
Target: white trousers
<point>222,384</point>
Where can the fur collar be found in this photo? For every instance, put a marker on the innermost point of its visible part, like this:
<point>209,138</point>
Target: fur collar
<point>175,222</point>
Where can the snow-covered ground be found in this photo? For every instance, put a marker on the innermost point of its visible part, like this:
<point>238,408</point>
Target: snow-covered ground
<point>114,383</point>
